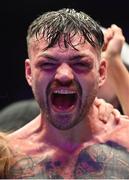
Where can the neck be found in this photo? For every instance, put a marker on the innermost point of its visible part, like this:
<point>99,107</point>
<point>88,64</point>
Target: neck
<point>72,138</point>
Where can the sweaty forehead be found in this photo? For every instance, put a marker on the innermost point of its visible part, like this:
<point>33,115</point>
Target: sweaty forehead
<point>80,46</point>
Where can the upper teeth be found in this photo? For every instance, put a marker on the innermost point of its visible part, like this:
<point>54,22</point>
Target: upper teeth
<point>64,91</point>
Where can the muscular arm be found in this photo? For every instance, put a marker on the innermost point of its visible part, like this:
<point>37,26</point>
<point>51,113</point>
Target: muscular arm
<point>120,79</point>
<point>118,75</point>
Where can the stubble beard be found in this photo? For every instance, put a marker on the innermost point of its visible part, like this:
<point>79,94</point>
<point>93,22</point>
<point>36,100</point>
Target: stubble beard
<point>67,121</point>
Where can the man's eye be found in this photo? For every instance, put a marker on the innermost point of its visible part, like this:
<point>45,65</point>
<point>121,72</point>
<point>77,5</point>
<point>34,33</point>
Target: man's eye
<point>47,66</point>
<point>83,66</point>
<point>79,64</point>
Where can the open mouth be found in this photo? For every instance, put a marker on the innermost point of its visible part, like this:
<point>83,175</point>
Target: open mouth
<point>64,100</point>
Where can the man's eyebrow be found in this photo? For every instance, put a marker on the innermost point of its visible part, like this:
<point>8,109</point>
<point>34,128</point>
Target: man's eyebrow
<point>47,56</point>
<point>76,57</point>
<point>70,57</point>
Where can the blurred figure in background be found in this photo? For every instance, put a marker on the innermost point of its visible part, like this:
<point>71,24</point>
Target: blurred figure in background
<point>116,87</point>
<point>6,156</point>
<point>18,114</point>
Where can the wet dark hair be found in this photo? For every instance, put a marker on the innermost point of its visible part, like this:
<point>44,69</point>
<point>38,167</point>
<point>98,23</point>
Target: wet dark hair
<point>65,23</point>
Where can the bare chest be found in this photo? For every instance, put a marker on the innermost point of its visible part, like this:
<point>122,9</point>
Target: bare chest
<point>97,161</point>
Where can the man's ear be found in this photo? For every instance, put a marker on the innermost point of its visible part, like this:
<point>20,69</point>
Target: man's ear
<point>28,73</point>
<point>102,72</point>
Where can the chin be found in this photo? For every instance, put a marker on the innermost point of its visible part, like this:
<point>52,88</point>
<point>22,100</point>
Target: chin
<point>63,121</point>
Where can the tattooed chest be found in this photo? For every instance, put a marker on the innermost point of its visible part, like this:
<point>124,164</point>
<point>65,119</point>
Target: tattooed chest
<point>96,162</point>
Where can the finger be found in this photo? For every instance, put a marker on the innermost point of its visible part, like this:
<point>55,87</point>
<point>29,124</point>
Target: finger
<point>118,32</point>
<point>98,101</point>
<point>116,113</point>
<point>105,110</point>
<point>112,122</point>
<point>117,116</point>
<point>108,34</point>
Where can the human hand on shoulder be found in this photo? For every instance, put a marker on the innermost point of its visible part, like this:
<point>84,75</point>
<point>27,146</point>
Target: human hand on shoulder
<point>106,112</point>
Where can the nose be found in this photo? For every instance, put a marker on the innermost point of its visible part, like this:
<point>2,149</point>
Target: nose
<point>64,74</point>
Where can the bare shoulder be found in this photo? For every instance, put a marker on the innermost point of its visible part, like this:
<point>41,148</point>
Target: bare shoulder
<point>23,138</point>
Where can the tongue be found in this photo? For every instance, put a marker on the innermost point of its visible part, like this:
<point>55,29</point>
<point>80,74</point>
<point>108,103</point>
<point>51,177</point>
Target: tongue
<point>63,101</point>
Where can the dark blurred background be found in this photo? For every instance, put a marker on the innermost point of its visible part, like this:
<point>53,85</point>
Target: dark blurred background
<point>16,15</point>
